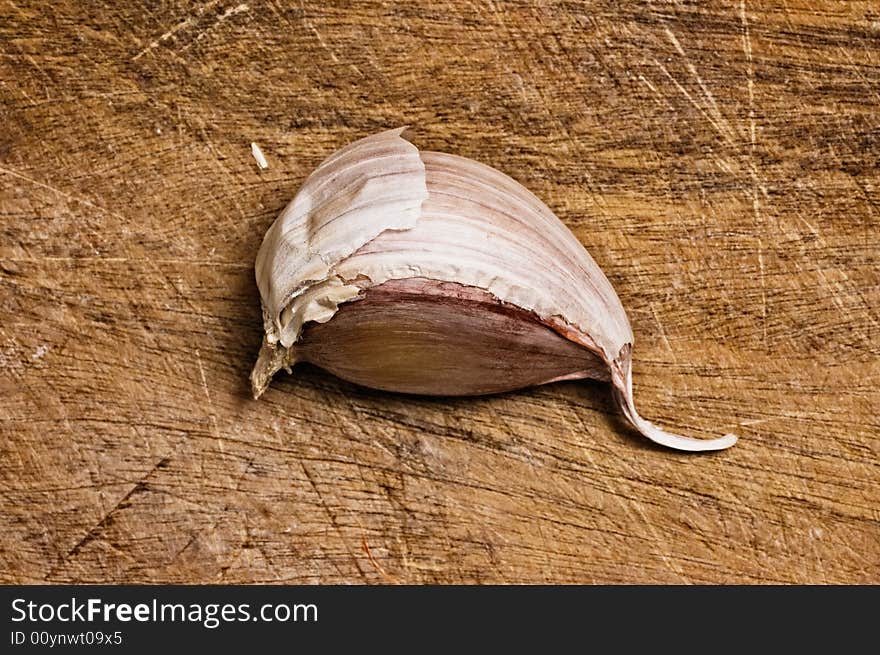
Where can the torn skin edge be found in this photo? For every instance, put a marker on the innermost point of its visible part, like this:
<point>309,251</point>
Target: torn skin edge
<point>317,303</point>
<point>621,380</point>
<point>360,188</point>
<point>274,355</point>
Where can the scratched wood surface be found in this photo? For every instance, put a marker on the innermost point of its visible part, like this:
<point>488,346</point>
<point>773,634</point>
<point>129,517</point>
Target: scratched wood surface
<point>719,160</point>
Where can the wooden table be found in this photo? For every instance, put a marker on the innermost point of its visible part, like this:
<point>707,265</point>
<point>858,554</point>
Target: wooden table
<point>718,159</point>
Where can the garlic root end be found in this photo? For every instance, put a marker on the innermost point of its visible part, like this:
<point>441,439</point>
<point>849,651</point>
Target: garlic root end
<point>272,358</point>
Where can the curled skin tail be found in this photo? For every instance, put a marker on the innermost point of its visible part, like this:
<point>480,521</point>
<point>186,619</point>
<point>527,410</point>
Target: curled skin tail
<point>621,379</point>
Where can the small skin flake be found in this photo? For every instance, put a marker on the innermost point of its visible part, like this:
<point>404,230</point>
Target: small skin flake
<point>259,156</point>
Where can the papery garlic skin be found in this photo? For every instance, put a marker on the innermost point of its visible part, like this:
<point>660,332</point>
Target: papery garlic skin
<point>373,185</point>
<point>380,211</point>
<point>480,228</point>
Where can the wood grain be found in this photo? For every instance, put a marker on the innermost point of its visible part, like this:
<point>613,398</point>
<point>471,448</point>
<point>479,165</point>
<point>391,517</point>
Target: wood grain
<point>718,159</point>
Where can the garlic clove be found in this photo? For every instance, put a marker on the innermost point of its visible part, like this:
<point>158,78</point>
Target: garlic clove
<point>431,273</point>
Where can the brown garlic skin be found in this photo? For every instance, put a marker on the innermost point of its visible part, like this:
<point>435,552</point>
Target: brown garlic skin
<point>428,273</point>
